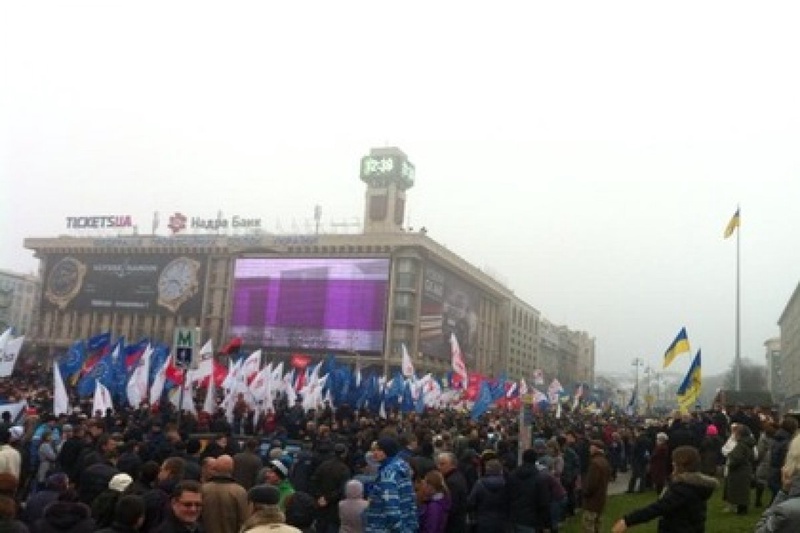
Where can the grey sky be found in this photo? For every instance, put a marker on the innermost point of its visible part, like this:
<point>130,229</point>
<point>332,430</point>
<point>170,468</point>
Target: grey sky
<point>589,154</point>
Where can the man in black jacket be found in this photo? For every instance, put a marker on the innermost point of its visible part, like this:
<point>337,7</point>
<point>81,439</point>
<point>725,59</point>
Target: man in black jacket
<point>529,496</point>
<point>447,464</point>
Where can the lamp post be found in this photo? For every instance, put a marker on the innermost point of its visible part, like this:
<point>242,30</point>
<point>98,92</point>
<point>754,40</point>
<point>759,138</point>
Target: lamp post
<point>637,362</point>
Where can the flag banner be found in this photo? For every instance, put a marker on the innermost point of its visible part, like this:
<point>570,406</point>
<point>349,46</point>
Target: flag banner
<point>690,388</point>
<point>60,398</point>
<point>679,345</point>
<point>102,399</point>
<point>136,388</point>
<point>72,361</point>
<point>10,353</point>
<point>538,377</point>
<point>733,224</point>
<point>407,365</point>
<point>459,367</point>
<point>483,402</point>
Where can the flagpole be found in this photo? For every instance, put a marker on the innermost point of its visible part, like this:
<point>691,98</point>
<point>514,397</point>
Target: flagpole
<point>738,361</point>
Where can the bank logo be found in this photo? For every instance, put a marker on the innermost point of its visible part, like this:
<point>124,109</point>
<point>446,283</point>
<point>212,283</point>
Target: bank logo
<point>177,222</point>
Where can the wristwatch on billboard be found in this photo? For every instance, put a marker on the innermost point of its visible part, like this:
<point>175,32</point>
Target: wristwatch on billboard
<point>65,281</point>
<point>178,282</point>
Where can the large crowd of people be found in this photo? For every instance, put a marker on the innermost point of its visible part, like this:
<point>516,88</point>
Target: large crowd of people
<point>347,470</point>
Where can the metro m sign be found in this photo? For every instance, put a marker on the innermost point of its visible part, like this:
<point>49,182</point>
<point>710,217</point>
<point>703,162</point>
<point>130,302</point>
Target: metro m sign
<point>186,346</point>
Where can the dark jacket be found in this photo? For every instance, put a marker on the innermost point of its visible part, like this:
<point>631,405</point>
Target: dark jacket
<point>36,504</point>
<point>172,525</point>
<point>528,497</point>
<point>489,502</point>
<point>328,480</point>
<point>740,471</point>
<point>65,517</point>
<point>116,527</point>
<point>682,506</point>
<point>94,480</point>
<point>457,484</point>
<point>595,488</point>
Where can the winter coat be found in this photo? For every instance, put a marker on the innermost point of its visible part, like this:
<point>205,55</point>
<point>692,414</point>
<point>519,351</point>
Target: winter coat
<point>780,446</point>
<point>65,517</point>
<point>351,509</point>
<point>710,454</point>
<point>459,492</point>
<point>328,481</point>
<point>740,472</point>
<point>764,447</point>
<point>225,506</point>
<point>489,502</point>
<point>659,464</point>
<point>13,526</point>
<point>528,497</point>
<point>681,507</point>
<point>433,514</point>
<point>269,519</point>
<point>392,502</point>
<point>37,503</point>
<point>595,488</point>
<point>783,516</point>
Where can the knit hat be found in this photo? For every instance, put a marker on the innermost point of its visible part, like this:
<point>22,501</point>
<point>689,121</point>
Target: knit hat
<point>389,446</point>
<point>598,444</point>
<point>539,445</point>
<point>264,495</point>
<point>15,433</point>
<point>279,468</point>
<point>662,437</point>
<point>120,482</point>
<point>712,431</point>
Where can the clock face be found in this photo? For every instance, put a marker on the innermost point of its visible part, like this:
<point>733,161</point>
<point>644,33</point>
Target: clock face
<point>178,282</point>
<point>65,280</point>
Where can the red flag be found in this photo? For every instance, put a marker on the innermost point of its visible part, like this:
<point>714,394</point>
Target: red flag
<point>233,346</point>
<point>174,374</point>
<point>459,367</point>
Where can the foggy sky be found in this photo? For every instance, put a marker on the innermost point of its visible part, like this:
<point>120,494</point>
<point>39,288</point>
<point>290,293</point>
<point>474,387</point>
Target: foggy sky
<point>589,156</point>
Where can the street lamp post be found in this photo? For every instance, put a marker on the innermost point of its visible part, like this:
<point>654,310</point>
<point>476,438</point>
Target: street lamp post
<point>637,362</point>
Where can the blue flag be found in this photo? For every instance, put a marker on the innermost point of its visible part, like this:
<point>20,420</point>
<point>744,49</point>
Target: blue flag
<point>407,403</point>
<point>72,361</point>
<point>102,371</point>
<point>483,402</point>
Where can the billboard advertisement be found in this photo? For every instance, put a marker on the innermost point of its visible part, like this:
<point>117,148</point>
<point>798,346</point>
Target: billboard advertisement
<point>311,303</point>
<point>149,283</point>
<point>449,305</point>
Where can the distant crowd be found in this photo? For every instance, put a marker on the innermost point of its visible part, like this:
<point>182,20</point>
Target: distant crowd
<point>348,470</point>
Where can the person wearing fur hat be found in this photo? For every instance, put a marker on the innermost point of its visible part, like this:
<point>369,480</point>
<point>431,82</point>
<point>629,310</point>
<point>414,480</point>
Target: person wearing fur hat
<point>683,505</point>
<point>392,502</point>
<point>265,515</point>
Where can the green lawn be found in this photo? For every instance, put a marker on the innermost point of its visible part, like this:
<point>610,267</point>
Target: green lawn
<point>717,520</point>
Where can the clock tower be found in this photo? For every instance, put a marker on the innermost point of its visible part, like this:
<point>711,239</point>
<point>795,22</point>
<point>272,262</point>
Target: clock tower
<point>388,175</point>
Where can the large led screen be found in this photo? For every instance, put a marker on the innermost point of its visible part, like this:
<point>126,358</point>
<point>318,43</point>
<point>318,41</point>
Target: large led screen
<point>311,303</point>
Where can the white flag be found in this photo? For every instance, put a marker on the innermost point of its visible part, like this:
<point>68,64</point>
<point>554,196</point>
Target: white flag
<point>60,398</point>
<point>137,383</point>
<point>210,403</point>
<point>407,365</point>
<point>458,360</point>
<point>102,399</point>
<point>159,381</point>
<point>205,365</point>
<point>251,365</point>
<point>9,356</point>
<point>5,337</point>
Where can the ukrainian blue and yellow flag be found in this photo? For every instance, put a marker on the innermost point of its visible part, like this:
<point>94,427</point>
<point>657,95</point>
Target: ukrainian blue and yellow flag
<point>679,345</point>
<point>689,391</point>
<point>733,224</point>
